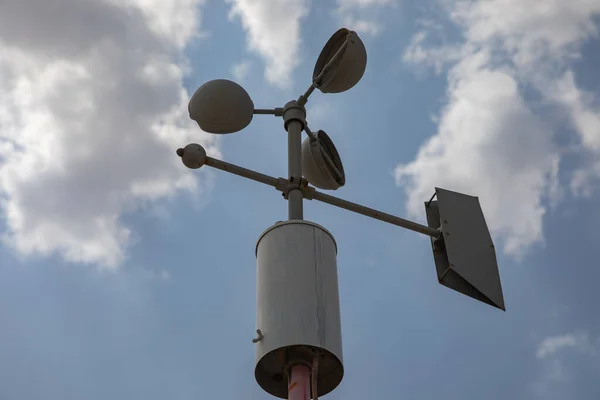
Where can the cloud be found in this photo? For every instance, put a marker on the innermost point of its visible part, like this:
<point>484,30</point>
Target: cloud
<point>362,15</point>
<point>240,71</point>
<point>489,144</point>
<point>91,109</point>
<point>556,371</point>
<point>552,344</point>
<point>319,111</point>
<point>273,29</point>
<point>491,141</point>
<point>433,57</point>
<point>175,20</point>
<point>584,116</point>
<point>347,4</point>
<point>548,29</point>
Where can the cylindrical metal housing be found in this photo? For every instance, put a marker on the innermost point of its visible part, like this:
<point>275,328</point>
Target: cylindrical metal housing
<point>298,309</point>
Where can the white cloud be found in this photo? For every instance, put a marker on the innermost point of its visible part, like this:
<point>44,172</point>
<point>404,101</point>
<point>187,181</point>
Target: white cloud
<point>552,344</point>
<point>556,372</point>
<point>346,4</point>
<point>240,71</point>
<point>585,118</point>
<point>362,26</point>
<point>490,142</point>
<point>433,57</point>
<point>273,29</point>
<point>174,20</point>
<point>92,108</point>
<point>539,30</point>
<point>361,15</point>
<point>320,111</point>
<point>581,183</point>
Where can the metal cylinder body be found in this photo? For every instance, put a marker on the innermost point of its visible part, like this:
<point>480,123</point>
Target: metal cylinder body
<point>298,309</point>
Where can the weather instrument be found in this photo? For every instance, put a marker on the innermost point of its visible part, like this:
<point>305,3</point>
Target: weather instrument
<point>299,341</point>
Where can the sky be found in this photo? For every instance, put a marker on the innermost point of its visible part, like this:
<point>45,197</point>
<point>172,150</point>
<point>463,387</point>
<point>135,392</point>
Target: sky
<point>124,275</point>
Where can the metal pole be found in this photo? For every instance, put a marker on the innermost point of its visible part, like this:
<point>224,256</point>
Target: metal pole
<point>299,383</point>
<point>295,207</point>
<point>314,375</point>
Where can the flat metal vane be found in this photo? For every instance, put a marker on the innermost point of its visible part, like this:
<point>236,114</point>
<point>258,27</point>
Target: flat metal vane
<point>465,257</point>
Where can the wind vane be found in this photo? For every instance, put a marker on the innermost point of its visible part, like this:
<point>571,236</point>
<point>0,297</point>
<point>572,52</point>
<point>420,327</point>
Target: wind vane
<point>299,342</point>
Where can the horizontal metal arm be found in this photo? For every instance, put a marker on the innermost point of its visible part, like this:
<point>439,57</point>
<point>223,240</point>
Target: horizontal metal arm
<point>369,212</point>
<point>243,172</point>
<point>278,111</point>
<point>312,194</point>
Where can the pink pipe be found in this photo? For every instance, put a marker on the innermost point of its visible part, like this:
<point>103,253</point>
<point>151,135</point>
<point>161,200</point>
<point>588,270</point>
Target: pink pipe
<point>299,386</point>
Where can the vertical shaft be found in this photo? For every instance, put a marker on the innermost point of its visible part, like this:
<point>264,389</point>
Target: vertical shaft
<point>299,383</point>
<point>314,375</point>
<point>295,208</point>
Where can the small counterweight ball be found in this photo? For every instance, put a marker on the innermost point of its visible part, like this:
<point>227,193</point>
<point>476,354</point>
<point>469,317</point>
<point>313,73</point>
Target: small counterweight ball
<point>193,155</point>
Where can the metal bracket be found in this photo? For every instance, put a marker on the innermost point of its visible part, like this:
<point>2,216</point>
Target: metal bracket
<point>293,111</point>
<point>285,186</point>
<point>431,199</point>
<point>438,243</point>
<point>259,337</point>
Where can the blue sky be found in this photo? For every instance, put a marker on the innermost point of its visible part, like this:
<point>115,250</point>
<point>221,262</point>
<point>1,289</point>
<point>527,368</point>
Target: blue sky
<point>124,275</point>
